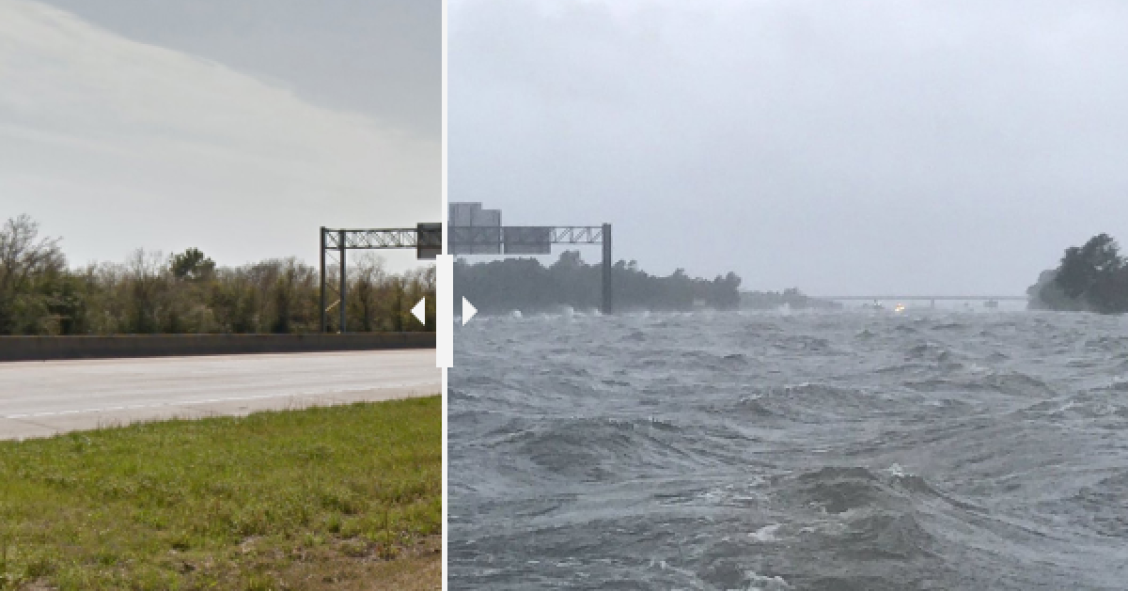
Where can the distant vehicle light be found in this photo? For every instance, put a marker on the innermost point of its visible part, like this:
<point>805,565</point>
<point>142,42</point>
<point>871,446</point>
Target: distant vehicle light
<point>899,308</point>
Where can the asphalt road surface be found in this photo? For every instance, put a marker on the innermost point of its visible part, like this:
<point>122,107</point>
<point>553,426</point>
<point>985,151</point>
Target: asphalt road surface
<point>39,399</point>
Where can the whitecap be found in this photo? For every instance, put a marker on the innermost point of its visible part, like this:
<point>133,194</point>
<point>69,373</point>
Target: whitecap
<point>766,534</point>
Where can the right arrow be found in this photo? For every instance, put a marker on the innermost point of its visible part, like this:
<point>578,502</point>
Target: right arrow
<point>468,311</point>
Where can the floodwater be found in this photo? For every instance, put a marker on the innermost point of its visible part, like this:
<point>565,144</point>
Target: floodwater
<point>843,450</point>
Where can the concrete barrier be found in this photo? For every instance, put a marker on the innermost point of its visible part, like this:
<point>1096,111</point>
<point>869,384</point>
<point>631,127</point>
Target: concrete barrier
<point>122,346</point>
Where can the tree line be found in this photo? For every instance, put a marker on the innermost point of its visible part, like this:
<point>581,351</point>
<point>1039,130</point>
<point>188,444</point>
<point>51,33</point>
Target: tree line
<point>528,286</point>
<point>1090,278</point>
<point>189,293</point>
<point>790,297</point>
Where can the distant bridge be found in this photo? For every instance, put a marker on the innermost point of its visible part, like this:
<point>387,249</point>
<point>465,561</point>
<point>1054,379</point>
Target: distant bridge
<point>923,298</point>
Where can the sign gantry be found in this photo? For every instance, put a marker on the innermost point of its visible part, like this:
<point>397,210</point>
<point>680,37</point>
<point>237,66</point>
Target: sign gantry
<point>473,231</point>
<point>477,231</point>
<point>426,239</point>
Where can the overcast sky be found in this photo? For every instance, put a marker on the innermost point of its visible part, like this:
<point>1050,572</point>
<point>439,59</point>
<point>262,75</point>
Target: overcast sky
<point>235,127</point>
<point>840,147</point>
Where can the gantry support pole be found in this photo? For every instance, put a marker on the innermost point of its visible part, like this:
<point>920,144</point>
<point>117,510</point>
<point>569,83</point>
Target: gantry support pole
<point>324,315</point>
<point>344,280</point>
<point>607,303</point>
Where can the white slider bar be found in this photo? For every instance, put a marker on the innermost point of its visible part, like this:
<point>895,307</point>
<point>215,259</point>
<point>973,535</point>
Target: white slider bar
<point>444,311</point>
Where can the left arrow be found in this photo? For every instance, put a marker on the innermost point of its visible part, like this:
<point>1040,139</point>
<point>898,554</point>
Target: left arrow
<point>420,311</point>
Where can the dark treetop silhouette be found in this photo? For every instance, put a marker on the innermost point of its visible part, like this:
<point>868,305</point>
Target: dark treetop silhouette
<point>1090,278</point>
<point>526,285</point>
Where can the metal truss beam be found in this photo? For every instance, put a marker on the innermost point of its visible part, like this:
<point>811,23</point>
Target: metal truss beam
<point>389,238</point>
<point>580,234</point>
<point>495,236</point>
<point>475,235</point>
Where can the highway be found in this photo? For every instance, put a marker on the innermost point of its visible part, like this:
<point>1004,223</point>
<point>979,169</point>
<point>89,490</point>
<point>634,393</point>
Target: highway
<point>39,399</point>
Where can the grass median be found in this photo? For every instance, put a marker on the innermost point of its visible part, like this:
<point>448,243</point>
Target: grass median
<point>342,497</point>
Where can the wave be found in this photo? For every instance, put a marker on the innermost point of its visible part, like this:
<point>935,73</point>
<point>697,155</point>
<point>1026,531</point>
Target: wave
<point>829,451</point>
<point>600,449</point>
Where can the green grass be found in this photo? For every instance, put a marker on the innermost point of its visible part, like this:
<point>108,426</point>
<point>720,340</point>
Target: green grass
<point>305,499</point>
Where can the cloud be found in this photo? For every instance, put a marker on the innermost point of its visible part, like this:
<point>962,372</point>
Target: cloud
<point>115,144</point>
<point>862,146</point>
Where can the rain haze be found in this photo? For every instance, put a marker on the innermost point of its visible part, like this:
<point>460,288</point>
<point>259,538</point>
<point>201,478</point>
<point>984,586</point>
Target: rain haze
<point>237,128</point>
<point>839,147</point>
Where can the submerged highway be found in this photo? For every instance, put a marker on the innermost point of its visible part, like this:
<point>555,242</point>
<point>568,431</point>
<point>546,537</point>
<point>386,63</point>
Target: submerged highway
<point>40,399</point>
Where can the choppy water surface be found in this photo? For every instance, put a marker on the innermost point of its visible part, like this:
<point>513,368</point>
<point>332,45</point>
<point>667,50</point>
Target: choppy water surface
<point>833,451</point>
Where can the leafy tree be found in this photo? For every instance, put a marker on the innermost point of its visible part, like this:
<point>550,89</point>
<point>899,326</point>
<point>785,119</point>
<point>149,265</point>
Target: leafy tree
<point>192,265</point>
<point>1092,277</point>
<point>368,277</point>
<point>24,259</point>
<point>146,280</point>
